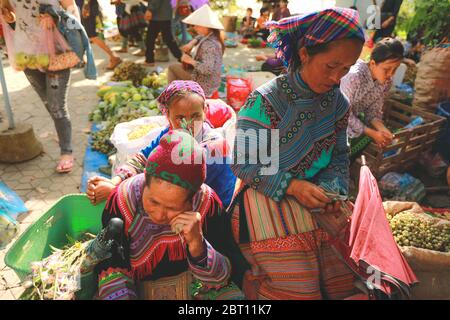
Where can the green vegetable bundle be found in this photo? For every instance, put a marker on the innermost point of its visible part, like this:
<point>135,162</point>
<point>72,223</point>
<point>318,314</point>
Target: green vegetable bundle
<point>57,277</point>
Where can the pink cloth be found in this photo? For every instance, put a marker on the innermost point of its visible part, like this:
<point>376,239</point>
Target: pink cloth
<point>371,240</point>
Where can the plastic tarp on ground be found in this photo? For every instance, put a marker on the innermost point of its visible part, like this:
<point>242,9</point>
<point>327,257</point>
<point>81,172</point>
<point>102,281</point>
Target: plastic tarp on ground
<point>10,202</point>
<point>93,161</point>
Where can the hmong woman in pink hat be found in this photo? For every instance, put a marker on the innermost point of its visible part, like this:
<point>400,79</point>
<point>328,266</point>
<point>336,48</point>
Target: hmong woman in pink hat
<point>173,230</point>
<point>289,254</point>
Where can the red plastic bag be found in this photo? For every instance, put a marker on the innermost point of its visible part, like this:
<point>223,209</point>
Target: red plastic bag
<point>218,112</point>
<point>238,89</point>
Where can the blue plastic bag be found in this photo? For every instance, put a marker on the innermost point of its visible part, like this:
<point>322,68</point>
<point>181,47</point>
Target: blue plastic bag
<point>401,187</point>
<point>93,160</point>
<point>10,202</point>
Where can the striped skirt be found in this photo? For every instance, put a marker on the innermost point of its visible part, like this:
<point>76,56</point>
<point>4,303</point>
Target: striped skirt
<point>288,251</point>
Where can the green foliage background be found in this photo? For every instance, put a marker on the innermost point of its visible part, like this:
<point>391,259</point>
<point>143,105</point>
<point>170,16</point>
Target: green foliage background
<point>425,20</point>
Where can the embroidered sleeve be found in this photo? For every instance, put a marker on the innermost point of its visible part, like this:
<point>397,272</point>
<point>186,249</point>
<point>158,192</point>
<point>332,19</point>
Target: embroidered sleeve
<point>116,284</point>
<point>209,59</point>
<point>336,174</point>
<point>253,134</point>
<point>213,270</point>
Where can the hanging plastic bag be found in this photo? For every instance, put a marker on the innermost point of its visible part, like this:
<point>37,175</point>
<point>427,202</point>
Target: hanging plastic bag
<point>61,56</point>
<point>8,35</point>
<point>51,52</point>
<point>22,53</point>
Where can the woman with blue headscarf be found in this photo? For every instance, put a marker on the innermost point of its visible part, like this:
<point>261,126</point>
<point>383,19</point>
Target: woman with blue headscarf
<point>301,116</point>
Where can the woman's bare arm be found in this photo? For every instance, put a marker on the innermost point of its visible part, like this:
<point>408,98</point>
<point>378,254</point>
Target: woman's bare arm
<point>71,7</point>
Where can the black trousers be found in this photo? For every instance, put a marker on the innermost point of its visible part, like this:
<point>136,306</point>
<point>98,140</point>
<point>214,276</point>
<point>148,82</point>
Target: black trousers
<point>154,28</point>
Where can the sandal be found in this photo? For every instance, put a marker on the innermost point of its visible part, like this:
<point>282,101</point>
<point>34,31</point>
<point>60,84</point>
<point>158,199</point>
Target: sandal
<point>65,166</point>
<point>114,63</point>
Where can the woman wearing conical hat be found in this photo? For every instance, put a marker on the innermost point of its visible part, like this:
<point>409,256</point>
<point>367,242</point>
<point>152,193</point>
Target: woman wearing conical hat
<point>202,58</point>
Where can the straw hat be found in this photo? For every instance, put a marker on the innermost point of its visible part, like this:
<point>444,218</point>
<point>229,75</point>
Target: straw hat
<point>204,17</point>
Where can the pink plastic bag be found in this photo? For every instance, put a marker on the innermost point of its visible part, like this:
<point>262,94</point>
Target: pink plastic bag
<point>60,55</point>
<point>51,53</point>
<point>8,35</point>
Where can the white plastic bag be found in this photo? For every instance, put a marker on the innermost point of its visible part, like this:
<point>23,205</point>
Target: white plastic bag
<point>126,147</point>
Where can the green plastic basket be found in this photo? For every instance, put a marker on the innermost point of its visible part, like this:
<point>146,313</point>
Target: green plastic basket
<point>72,215</point>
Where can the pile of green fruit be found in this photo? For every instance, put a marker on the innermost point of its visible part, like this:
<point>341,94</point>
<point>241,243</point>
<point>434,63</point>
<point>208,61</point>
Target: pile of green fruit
<point>418,231</point>
<point>155,80</point>
<point>28,61</point>
<point>120,102</point>
<point>100,139</point>
<point>122,95</point>
<point>129,71</point>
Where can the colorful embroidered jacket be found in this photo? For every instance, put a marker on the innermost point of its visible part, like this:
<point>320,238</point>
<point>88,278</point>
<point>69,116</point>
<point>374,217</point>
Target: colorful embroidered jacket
<point>153,251</point>
<point>312,138</point>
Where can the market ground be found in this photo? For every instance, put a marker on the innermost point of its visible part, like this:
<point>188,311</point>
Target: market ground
<point>36,181</point>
